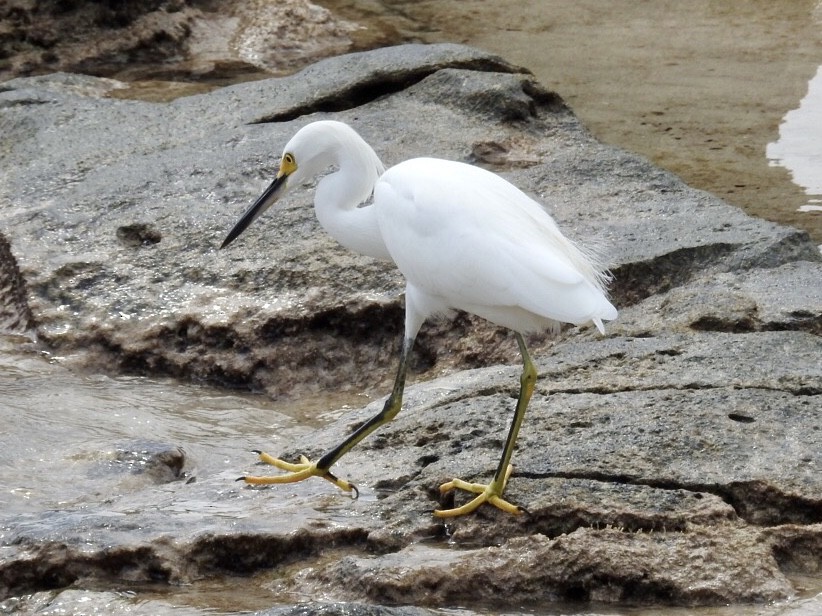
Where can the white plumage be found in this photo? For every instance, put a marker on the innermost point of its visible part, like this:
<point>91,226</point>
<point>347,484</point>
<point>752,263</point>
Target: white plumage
<point>464,238</point>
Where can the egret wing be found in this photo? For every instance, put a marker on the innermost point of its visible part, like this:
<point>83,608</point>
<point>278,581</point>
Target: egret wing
<point>473,239</point>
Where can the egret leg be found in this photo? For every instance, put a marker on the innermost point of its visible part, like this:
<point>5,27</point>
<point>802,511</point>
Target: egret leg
<point>492,492</point>
<point>305,468</point>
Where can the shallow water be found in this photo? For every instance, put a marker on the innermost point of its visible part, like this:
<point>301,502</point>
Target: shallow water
<point>76,426</point>
<point>798,147</point>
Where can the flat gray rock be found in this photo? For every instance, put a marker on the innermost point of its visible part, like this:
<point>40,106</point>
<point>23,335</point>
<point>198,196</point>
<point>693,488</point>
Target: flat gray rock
<point>674,461</point>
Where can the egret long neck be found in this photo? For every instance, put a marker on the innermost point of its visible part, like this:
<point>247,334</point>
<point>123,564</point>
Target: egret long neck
<point>336,204</point>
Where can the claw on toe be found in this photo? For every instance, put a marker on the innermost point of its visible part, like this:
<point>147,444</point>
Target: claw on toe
<point>299,471</point>
<point>486,493</point>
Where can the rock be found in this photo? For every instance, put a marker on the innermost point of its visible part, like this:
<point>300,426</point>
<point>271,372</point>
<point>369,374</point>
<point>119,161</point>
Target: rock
<point>781,298</point>
<point>346,609</point>
<point>15,314</point>
<point>166,39</point>
<point>675,461</point>
<point>320,300</point>
<point>702,567</point>
<point>217,332</point>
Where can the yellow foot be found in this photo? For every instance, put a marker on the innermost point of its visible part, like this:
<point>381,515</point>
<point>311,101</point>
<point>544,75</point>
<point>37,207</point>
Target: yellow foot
<point>304,469</point>
<point>486,493</point>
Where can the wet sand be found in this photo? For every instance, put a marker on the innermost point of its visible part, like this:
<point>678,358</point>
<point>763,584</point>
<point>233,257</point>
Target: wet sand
<point>698,87</point>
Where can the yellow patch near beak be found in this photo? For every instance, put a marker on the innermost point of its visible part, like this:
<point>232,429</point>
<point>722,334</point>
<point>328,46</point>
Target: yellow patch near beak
<point>288,165</point>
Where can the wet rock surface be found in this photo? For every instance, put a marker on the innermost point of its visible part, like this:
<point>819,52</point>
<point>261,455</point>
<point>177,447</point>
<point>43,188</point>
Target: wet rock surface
<point>675,461</point>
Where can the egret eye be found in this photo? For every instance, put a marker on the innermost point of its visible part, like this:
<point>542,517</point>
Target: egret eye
<point>288,164</point>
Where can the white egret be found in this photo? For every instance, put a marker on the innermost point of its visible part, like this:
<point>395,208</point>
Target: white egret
<point>464,238</point>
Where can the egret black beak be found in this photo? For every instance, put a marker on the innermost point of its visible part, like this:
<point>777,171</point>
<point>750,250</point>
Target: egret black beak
<point>265,201</point>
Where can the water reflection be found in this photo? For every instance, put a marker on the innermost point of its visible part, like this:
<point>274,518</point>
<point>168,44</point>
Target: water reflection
<point>799,147</point>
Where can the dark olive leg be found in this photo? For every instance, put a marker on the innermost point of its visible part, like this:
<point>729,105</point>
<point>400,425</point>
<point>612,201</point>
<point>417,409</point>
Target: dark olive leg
<point>492,493</point>
<point>389,411</point>
<point>305,468</point>
<point>527,381</point>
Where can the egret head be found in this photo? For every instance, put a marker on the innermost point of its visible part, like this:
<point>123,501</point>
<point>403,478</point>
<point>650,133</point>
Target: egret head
<point>308,152</point>
<point>314,148</point>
